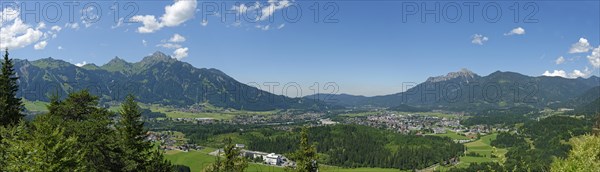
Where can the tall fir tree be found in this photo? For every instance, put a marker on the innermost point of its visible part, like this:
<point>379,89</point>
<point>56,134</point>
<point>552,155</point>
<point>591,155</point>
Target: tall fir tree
<point>131,132</point>
<point>306,156</point>
<point>11,107</point>
<point>233,162</point>
<point>81,117</point>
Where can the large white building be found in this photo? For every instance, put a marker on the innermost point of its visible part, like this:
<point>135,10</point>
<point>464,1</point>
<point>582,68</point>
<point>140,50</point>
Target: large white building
<point>273,159</point>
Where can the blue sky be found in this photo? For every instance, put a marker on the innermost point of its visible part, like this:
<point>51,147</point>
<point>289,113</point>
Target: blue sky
<point>365,47</point>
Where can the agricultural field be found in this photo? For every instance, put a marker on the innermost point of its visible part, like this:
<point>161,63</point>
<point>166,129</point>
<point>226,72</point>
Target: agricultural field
<point>359,114</point>
<point>198,160</point>
<point>453,135</point>
<point>481,147</point>
<point>434,114</point>
<point>35,106</point>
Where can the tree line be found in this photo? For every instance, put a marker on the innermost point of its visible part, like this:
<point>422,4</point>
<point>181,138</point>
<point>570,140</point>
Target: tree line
<point>75,135</point>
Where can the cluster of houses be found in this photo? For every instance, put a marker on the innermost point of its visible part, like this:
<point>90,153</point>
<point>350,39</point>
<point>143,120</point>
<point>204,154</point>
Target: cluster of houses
<point>267,158</point>
<point>168,141</point>
<point>407,123</point>
<point>196,120</point>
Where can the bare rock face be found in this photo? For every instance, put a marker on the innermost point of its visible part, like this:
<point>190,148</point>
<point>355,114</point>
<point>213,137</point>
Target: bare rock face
<point>464,75</point>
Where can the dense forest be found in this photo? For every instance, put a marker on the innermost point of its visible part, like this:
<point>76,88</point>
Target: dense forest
<point>507,117</point>
<point>550,137</point>
<point>361,146</point>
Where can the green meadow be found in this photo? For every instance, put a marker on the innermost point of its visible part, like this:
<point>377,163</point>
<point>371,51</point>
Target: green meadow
<point>483,148</point>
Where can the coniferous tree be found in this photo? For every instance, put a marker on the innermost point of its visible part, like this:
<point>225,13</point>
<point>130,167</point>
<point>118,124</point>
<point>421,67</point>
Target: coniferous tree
<point>233,161</point>
<point>132,135</point>
<point>137,151</point>
<point>39,147</point>
<point>306,156</point>
<point>81,117</point>
<point>11,107</point>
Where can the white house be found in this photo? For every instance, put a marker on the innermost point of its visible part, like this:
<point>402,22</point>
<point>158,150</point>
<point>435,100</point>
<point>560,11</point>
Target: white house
<point>273,159</point>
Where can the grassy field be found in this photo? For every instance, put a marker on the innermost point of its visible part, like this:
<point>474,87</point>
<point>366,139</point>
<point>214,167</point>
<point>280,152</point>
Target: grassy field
<point>452,135</point>
<point>434,114</point>
<point>359,114</point>
<point>198,160</point>
<point>173,113</point>
<point>482,147</point>
<point>35,106</point>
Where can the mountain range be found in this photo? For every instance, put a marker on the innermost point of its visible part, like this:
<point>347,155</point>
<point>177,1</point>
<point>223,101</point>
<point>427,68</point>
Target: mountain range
<point>467,91</point>
<point>160,79</point>
<point>157,79</point>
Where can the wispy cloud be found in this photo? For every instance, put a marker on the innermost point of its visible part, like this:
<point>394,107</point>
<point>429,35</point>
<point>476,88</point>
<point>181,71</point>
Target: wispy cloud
<point>516,31</point>
<point>478,39</point>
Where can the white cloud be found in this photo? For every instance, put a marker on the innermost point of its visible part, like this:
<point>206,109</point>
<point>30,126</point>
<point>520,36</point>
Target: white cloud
<point>263,27</point>
<point>516,31</point>
<point>242,8</point>
<point>594,58</point>
<point>41,25</point>
<point>204,22</point>
<point>72,25</point>
<point>17,34</point>
<point>8,14</point>
<point>119,23</point>
<point>262,12</point>
<point>273,6</point>
<point>560,60</point>
<point>149,22</point>
<point>81,64</point>
<point>180,53</point>
<point>176,14</point>
<point>281,26</point>
<point>40,45</point>
<point>59,48</point>
<point>179,12</point>
<point>89,17</point>
<point>144,42</point>
<point>177,38</point>
<point>478,39</point>
<point>56,28</point>
<point>575,74</point>
<point>581,46</point>
<point>560,73</point>
<point>169,45</point>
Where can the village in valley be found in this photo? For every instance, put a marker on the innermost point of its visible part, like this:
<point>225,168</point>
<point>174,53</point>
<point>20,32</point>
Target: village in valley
<point>420,124</point>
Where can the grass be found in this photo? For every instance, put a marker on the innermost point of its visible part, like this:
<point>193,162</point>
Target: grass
<point>35,106</point>
<point>198,160</point>
<point>173,113</point>
<point>481,146</point>
<point>452,135</point>
<point>433,114</point>
<point>359,114</point>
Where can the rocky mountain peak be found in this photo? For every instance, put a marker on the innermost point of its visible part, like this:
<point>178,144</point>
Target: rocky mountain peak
<point>464,74</point>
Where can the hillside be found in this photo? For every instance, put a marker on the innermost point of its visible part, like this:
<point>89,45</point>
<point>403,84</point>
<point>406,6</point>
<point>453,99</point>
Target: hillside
<point>157,79</point>
<point>467,91</point>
